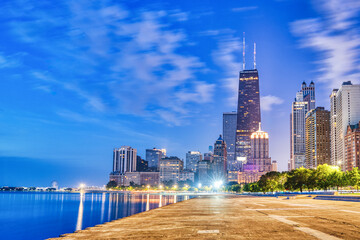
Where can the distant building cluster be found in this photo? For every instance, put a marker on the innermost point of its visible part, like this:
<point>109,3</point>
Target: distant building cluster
<point>240,154</point>
<point>319,136</point>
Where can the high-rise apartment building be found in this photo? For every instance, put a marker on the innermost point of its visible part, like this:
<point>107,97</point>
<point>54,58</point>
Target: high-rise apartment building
<point>317,137</point>
<point>170,168</point>
<point>352,147</point>
<point>220,159</point>
<point>347,113</point>
<point>229,135</point>
<point>304,102</point>
<point>153,156</point>
<point>192,160</point>
<point>124,160</point>
<point>333,138</point>
<point>248,113</point>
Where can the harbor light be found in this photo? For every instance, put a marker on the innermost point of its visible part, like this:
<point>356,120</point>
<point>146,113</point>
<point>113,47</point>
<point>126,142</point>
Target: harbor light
<point>82,186</point>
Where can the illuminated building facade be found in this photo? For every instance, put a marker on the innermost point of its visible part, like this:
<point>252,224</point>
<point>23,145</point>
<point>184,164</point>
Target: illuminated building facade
<point>259,160</point>
<point>124,160</point>
<point>333,138</point>
<point>219,164</point>
<point>352,147</point>
<point>170,168</point>
<point>347,113</point>
<point>192,159</point>
<point>229,135</point>
<point>153,157</point>
<point>248,113</point>
<point>317,137</point>
<point>304,102</point>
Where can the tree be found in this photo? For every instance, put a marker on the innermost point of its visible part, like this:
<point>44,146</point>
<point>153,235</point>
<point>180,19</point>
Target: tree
<point>298,179</point>
<point>111,184</point>
<point>324,174</point>
<point>353,177</point>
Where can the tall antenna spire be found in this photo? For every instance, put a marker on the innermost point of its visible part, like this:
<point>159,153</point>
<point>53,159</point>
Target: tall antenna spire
<point>243,50</point>
<point>254,55</point>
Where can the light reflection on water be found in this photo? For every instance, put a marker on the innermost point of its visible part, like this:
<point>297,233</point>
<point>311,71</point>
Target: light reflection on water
<point>26,215</point>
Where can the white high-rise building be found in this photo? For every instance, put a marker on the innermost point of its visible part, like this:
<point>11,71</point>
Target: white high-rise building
<point>347,106</point>
<point>124,160</point>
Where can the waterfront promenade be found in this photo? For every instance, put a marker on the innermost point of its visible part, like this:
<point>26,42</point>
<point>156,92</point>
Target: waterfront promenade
<point>236,217</point>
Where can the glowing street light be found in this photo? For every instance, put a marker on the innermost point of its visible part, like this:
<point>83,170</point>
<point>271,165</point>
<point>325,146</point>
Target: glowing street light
<point>82,186</point>
<point>218,184</point>
<point>175,187</point>
<point>161,187</point>
<point>199,185</point>
<point>148,187</point>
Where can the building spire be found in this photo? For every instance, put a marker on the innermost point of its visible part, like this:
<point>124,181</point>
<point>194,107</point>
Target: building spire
<point>254,55</point>
<point>243,51</point>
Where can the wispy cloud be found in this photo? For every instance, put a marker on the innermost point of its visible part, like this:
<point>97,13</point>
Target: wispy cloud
<point>267,102</point>
<point>225,56</point>
<point>244,9</point>
<point>114,58</point>
<point>91,100</point>
<point>335,37</point>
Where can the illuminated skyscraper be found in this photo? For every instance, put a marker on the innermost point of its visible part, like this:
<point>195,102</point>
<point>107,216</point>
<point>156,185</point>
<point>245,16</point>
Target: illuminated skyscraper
<point>248,114</point>
<point>317,137</point>
<point>304,102</point>
<point>347,113</point>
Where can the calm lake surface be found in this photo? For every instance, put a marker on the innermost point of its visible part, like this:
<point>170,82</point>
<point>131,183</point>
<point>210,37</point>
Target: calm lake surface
<point>33,215</point>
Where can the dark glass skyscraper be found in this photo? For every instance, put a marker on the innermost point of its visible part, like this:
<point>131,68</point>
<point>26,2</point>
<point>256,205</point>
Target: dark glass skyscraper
<point>248,113</point>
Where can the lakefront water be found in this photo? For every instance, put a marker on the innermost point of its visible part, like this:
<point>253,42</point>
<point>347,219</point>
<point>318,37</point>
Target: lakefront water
<point>33,215</point>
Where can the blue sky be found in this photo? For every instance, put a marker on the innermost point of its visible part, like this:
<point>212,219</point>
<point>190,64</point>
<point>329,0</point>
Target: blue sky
<point>79,78</point>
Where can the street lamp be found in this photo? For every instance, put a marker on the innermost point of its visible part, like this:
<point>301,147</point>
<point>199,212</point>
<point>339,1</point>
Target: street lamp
<point>218,184</point>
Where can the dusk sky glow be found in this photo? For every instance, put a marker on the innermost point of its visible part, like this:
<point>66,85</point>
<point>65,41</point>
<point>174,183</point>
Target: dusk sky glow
<point>79,78</point>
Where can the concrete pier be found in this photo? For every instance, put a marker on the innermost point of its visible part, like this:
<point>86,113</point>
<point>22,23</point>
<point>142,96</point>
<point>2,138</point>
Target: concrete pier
<point>236,217</point>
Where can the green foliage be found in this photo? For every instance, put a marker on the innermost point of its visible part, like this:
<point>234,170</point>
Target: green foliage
<point>111,184</point>
<point>323,177</point>
<point>354,177</point>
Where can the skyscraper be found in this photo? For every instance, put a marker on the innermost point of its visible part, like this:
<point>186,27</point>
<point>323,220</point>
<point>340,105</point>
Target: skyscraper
<point>124,160</point>
<point>347,113</point>
<point>192,160</point>
<point>317,137</point>
<point>153,157</point>
<point>229,135</point>
<point>304,102</point>
<point>248,113</point>
<point>220,159</point>
<point>260,160</point>
<point>333,137</point>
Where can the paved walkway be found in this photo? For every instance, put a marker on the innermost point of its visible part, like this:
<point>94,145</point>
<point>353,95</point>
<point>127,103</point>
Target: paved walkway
<point>236,217</point>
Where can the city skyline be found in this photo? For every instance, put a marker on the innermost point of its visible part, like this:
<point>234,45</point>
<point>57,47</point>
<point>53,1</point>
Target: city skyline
<point>80,79</point>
